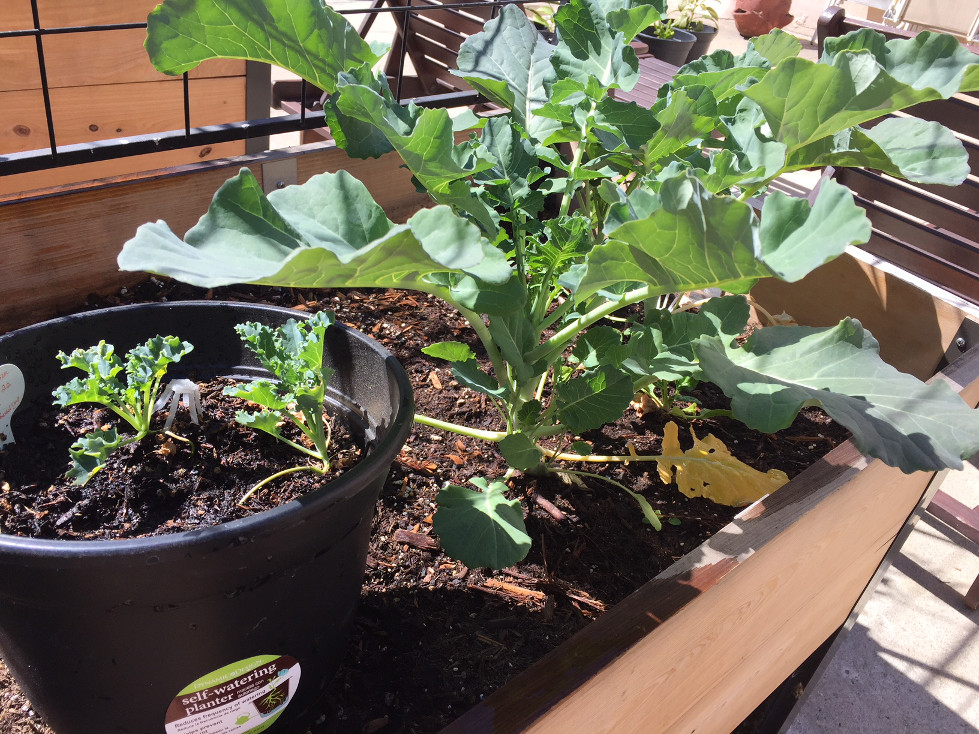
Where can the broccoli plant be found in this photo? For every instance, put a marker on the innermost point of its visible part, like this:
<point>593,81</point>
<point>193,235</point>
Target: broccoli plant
<point>293,353</point>
<point>134,401</point>
<point>573,205</point>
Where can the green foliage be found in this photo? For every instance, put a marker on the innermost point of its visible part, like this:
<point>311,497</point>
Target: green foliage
<point>484,528</point>
<point>575,204</point>
<point>692,14</point>
<point>133,400</point>
<point>293,353</point>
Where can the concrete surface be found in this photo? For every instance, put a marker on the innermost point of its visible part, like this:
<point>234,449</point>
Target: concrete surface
<point>910,664</point>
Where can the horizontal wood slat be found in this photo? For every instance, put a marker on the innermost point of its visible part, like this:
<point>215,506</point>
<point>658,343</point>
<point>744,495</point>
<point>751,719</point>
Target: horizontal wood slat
<point>966,193</point>
<point>940,243</point>
<point>909,199</point>
<point>16,14</point>
<point>421,26</point>
<point>25,184</point>
<point>86,114</point>
<point>946,274</point>
<point>71,61</point>
<point>59,247</point>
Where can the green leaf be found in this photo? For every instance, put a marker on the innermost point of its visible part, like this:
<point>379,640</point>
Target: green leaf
<point>590,49</point>
<point>853,88</point>
<point>510,63</point>
<point>797,239</point>
<point>90,452</point>
<point>782,369</point>
<point>307,38</point>
<point>450,351</point>
<point>596,398</point>
<point>920,151</point>
<point>327,232</point>
<point>777,46</point>
<point>582,448</point>
<point>598,345</point>
<point>260,392</point>
<point>481,529</point>
<point>469,374</point>
<point>266,421</point>
<point>697,240</point>
<point>928,61</point>
<point>683,116</point>
<point>664,348</point>
<point>520,451</point>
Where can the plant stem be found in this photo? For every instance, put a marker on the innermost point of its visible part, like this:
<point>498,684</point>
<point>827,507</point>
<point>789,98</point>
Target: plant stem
<point>647,509</point>
<point>291,470</point>
<point>460,429</point>
<point>556,344</point>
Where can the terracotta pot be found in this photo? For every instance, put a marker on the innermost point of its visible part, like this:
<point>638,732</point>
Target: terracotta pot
<point>758,17</point>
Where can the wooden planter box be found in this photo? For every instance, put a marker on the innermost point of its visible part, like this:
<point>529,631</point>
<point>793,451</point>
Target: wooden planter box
<point>700,646</point>
<point>103,86</point>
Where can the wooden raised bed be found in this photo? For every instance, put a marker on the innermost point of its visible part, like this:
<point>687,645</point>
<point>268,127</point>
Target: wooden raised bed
<point>700,646</point>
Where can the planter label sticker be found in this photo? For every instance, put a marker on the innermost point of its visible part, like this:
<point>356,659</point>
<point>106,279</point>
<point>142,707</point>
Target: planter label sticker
<point>11,393</point>
<point>246,696</point>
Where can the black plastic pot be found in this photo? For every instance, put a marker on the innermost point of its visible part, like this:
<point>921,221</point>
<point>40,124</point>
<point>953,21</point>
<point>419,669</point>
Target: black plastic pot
<point>703,39</point>
<point>104,635</point>
<point>671,50</point>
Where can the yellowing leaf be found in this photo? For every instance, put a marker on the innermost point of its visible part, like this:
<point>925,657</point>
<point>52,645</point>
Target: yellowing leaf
<point>708,470</point>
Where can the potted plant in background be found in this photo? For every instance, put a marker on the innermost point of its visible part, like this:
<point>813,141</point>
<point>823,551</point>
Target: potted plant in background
<point>698,17</point>
<point>668,42</point>
<point>758,17</point>
<point>155,633</point>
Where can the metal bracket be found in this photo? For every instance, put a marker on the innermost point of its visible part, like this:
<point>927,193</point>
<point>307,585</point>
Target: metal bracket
<point>965,338</point>
<point>279,173</point>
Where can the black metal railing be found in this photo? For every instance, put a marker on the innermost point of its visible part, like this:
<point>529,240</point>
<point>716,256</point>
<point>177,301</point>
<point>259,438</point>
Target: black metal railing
<point>56,155</point>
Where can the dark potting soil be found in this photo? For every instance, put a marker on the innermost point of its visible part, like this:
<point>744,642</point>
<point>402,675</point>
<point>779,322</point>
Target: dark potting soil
<point>432,637</point>
<point>190,477</point>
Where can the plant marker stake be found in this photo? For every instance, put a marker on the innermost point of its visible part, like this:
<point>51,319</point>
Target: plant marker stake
<point>177,392</point>
<point>11,395</point>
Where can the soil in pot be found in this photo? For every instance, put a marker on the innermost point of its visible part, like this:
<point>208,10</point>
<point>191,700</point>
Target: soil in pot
<point>188,478</point>
<point>432,636</point>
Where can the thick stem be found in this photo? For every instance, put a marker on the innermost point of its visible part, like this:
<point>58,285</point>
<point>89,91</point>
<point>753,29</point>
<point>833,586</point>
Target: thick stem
<point>557,343</point>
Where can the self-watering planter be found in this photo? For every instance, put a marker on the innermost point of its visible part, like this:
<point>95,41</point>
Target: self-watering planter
<point>239,625</point>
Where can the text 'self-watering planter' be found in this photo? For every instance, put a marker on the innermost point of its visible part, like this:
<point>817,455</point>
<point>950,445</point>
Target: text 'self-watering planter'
<point>243,622</point>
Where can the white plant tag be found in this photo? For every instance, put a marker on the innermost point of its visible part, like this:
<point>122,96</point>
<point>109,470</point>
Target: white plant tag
<point>11,394</point>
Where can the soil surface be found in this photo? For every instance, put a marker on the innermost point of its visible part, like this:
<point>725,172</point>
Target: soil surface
<point>190,477</point>
<point>432,637</point>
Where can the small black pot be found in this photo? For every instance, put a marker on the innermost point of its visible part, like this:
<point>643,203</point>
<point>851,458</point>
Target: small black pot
<point>671,50</point>
<point>704,38</point>
<point>120,635</point>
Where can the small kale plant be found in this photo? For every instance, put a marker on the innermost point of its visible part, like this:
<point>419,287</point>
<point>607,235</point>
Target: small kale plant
<point>293,353</point>
<point>134,400</point>
<point>551,218</point>
<point>692,14</point>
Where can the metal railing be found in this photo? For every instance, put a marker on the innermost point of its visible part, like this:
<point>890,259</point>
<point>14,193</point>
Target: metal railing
<point>55,156</point>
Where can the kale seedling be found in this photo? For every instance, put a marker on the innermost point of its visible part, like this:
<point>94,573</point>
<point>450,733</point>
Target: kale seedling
<point>134,401</point>
<point>294,354</point>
